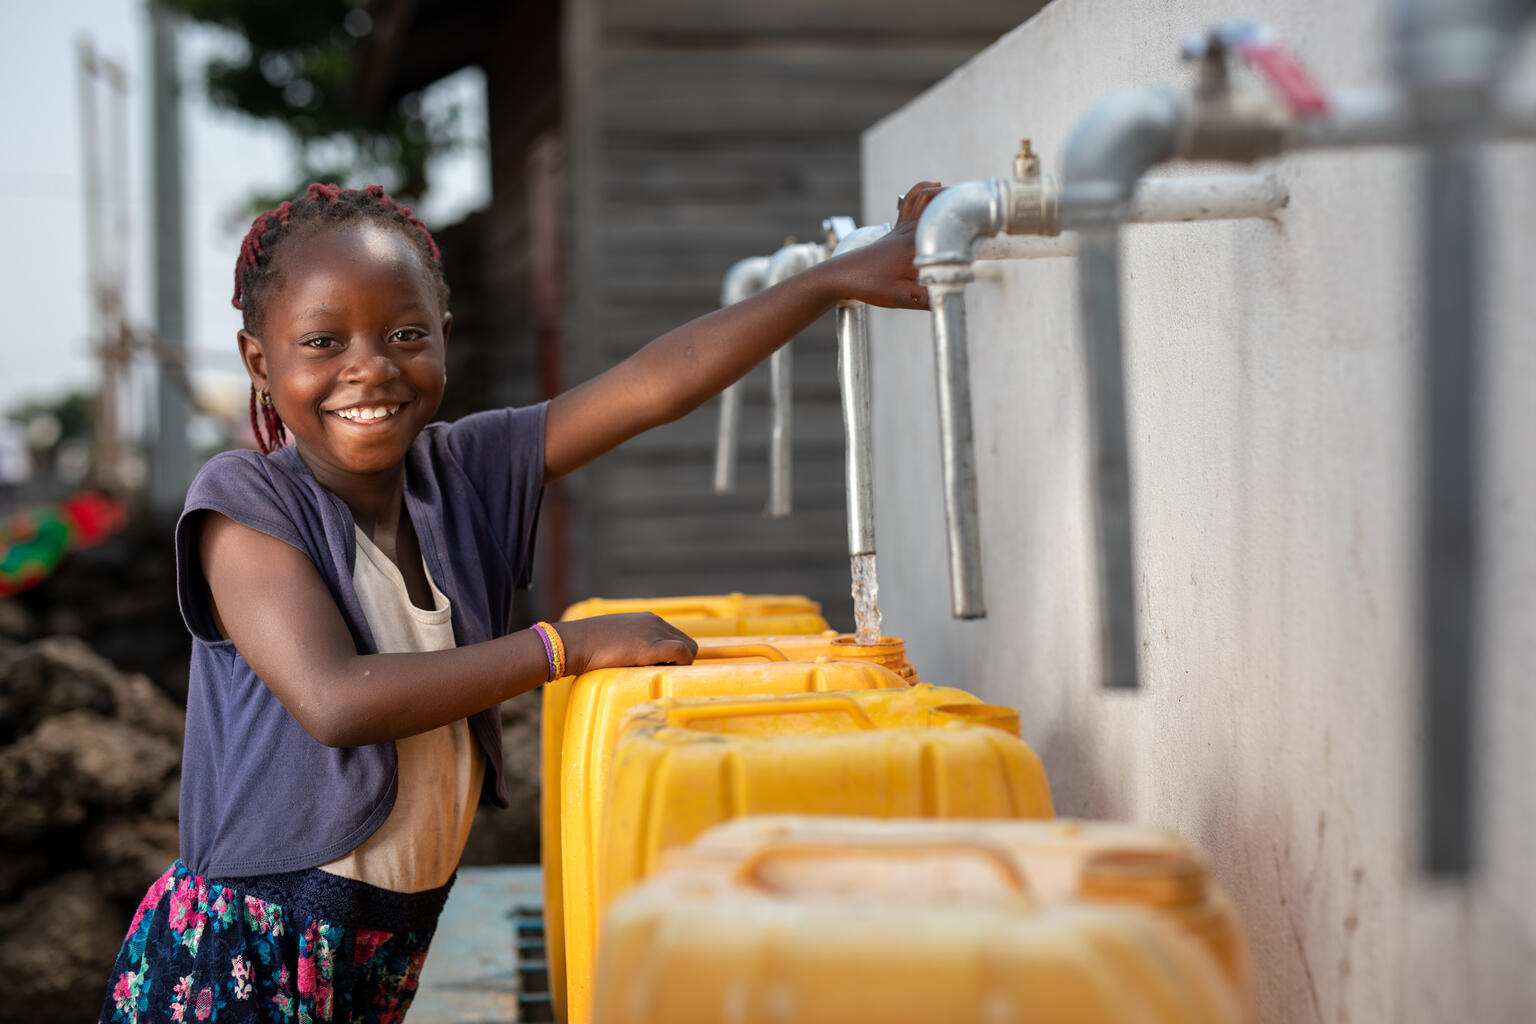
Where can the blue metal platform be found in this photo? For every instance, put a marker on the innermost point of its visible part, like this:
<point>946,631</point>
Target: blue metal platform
<point>486,965</point>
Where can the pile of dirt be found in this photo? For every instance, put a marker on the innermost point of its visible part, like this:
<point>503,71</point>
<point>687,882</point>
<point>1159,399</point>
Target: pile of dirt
<point>90,752</point>
<point>89,773</point>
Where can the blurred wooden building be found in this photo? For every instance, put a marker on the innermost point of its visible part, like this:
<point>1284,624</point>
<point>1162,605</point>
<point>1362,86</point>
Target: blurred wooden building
<point>638,148</point>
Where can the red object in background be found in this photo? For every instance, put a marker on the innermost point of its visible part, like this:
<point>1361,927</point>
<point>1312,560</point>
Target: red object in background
<point>95,517</point>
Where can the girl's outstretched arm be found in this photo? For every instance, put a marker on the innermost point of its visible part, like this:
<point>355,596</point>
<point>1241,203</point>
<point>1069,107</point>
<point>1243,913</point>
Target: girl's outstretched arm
<point>271,601</point>
<point>682,369</point>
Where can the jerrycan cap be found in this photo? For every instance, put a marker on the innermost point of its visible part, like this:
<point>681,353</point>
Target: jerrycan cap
<point>1158,878</point>
<point>884,645</point>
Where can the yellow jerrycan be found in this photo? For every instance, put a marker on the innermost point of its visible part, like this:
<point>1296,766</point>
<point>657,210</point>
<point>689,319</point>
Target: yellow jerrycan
<point>716,615</point>
<point>552,734</point>
<point>1065,861</point>
<point>921,930</point>
<point>684,764</point>
<point>581,722</point>
<point>890,651</point>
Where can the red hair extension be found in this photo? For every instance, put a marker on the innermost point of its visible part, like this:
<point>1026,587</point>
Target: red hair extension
<point>320,204</point>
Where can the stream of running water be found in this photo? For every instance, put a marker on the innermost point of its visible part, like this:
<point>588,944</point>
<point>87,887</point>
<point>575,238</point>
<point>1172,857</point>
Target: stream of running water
<point>866,603</point>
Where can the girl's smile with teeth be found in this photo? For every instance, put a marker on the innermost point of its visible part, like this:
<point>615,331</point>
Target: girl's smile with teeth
<point>368,413</point>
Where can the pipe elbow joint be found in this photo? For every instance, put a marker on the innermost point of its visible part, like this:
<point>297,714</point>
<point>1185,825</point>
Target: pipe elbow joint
<point>957,220</point>
<point>962,217</point>
<point>860,237</point>
<point>790,260</point>
<point>745,278</point>
<point>1118,140</point>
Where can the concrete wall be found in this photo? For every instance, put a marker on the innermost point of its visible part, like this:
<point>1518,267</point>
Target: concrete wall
<point>1272,378</point>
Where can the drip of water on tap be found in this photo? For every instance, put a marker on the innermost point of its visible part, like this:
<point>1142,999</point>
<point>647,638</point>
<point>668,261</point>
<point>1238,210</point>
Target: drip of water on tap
<point>866,604</point>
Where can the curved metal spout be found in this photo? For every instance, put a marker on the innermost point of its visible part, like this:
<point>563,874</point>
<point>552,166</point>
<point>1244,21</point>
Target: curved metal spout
<point>853,382</point>
<point>951,228</point>
<point>787,261</point>
<point>1113,145</point>
<point>958,218</point>
<point>744,279</point>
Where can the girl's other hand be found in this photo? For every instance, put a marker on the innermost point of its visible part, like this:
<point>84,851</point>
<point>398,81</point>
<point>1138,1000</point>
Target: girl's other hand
<point>882,273</point>
<point>623,640</point>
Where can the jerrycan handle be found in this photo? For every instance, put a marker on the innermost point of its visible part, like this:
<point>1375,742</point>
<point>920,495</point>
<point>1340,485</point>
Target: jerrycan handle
<point>836,703</point>
<point>755,869</point>
<point>691,611</point>
<point>768,652</point>
<point>995,715</point>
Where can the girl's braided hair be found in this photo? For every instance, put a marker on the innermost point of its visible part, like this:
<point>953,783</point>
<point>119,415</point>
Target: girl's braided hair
<point>319,206</point>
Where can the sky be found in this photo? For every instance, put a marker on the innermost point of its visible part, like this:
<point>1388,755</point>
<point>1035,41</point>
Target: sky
<point>44,346</point>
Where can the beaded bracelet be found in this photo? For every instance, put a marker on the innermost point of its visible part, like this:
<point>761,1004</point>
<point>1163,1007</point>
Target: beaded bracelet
<point>554,648</point>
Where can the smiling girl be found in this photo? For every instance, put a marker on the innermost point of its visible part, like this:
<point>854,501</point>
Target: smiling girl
<point>350,601</point>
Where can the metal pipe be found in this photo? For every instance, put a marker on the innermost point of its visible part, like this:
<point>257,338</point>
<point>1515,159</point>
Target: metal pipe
<point>1448,604</point>
<point>1113,145</point>
<point>957,449</point>
<point>853,382</point>
<point>744,279</point>
<point>787,261</point>
<point>1099,294</point>
<point>1159,201</point>
<point>1384,115</point>
<point>1448,54</point>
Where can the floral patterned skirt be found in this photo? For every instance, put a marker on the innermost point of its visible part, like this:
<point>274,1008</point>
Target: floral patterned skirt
<point>305,946</point>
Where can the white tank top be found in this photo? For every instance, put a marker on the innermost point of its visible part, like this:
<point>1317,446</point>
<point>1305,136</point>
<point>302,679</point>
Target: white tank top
<point>440,772</point>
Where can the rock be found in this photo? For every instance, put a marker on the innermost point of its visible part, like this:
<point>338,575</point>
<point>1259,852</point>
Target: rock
<point>31,800</point>
<point>142,705</point>
<point>57,946</point>
<point>16,623</point>
<point>21,869</point>
<point>50,677</point>
<point>60,673</point>
<point>75,761</point>
<point>64,621</point>
<point>127,854</point>
<point>167,806</point>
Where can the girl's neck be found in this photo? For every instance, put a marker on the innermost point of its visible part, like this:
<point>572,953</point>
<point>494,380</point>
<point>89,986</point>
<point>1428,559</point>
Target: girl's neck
<point>376,500</point>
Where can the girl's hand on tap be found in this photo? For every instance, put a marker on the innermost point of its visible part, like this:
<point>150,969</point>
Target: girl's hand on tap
<point>882,273</point>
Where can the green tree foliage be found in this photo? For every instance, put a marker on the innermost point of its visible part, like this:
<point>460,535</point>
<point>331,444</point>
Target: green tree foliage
<point>299,68</point>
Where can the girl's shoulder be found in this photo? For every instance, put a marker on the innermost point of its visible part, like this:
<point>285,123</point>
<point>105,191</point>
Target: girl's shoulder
<point>267,492</point>
<point>487,438</point>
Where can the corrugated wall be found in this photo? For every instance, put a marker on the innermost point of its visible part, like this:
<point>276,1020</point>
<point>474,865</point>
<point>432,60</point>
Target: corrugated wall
<point>699,133</point>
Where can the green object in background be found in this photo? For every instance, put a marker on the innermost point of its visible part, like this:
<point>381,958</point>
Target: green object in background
<point>32,544</point>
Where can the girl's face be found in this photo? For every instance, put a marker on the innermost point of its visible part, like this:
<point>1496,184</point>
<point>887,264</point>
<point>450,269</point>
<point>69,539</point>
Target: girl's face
<point>351,347</point>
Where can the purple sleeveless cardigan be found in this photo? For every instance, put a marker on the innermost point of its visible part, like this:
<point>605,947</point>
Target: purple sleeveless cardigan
<point>259,795</point>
